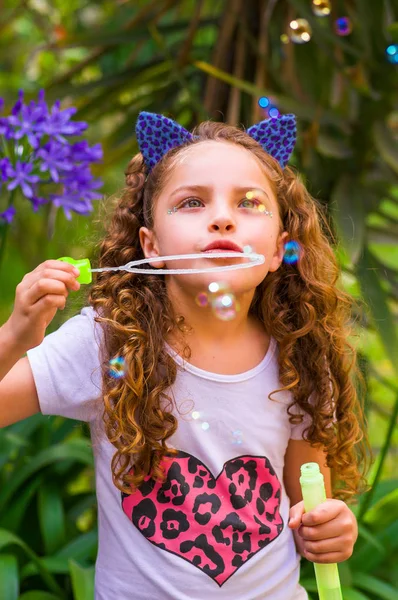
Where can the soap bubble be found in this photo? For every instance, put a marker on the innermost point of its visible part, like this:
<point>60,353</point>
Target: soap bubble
<point>273,112</point>
<point>216,287</point>
<point>221,300</point>
<point>343,26</point>
<point>202,299</point>
<point>292,252</point>
<point>321,8</point>
<point>300,31</point>
<point>117,367</point>
<point>237,437</point>
<point>263,102</point>
<point>392,54</point>
<point>225,306</point>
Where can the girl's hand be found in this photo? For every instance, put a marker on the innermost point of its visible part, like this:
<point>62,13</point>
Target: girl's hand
<point>327,533</point>
<point>38,297</point>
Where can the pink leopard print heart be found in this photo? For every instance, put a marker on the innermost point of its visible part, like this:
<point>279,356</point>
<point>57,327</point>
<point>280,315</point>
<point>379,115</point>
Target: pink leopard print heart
<point>216,524</point>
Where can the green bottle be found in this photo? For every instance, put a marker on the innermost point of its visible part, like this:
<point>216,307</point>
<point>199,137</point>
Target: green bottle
<point>313,490</point>
<point>84,266</point>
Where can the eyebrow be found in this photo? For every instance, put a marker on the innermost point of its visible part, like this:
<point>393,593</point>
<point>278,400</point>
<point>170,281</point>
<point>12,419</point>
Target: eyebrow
<point>201,188</point>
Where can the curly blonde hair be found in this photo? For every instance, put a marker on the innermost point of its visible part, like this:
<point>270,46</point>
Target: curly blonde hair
<point>299,305</point>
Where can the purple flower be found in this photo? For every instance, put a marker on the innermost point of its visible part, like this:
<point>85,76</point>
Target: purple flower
<point>26,120</point>
<point>81,152</point>
<point>78,192</point>
<point>4,165</point>
<point>8,214</point>
<point>4,127</point>
<point>55,159</point>
<point>36,135</point>
<point>58,122</point>
<point>20,177</point>
<point>37,202</point>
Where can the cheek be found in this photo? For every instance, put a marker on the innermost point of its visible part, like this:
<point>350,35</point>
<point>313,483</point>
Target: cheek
<point>174,236</point>
<point>267,238</point>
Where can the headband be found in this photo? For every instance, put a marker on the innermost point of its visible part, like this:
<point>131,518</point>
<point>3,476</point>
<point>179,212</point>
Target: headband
<point>156,135</point>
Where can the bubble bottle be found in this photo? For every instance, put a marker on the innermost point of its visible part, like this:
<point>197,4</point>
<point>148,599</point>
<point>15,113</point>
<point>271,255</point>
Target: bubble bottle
<point>313,490</point>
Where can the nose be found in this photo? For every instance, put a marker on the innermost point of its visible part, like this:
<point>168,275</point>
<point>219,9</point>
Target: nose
<point>222,220</point>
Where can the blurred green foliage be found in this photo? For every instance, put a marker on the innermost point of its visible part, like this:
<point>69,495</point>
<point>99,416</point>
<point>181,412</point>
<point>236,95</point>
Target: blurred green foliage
<point>193,60</point>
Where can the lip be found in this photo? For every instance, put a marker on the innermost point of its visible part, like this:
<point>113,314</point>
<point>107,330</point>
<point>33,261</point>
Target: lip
<point>223,245</point>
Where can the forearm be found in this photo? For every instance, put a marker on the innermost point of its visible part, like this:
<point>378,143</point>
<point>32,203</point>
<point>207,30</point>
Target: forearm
<point>10,351</point>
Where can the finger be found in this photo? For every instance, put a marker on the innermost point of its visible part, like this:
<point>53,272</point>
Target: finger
<point>335,544</point>
<point>67,279</point>
<point>50,304</point>
<point>327,558</point>
<point>343,525</point>
<point>324,531</point>
<point>51,268</point>
<point>42,288</point>
<point>324,512</point>
<point>295,515</point>
<point>60,265</point>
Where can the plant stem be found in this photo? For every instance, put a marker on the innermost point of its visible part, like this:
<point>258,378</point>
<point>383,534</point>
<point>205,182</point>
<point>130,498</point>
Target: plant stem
<point>387,442</point>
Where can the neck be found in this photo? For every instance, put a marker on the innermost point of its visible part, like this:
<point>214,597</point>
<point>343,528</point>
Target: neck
<point>205,328</point>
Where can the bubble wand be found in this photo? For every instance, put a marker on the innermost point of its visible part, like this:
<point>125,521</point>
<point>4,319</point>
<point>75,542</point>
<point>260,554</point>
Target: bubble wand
<point>86,271</point>
<point>313,490</point>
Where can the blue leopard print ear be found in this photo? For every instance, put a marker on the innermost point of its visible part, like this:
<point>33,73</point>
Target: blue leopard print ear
<point>156,135</point>
<point>277,136</point>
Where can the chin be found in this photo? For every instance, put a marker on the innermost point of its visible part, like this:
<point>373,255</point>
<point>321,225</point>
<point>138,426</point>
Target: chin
<point>238,282</point>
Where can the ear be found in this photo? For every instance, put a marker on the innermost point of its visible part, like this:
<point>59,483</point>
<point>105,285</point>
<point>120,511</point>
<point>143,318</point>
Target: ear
<point>277,258</point>
<point>150,247</point>
<point>277,136</point>
<point>156,135</point>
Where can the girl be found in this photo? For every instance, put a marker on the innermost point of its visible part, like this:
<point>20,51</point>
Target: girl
<point>210,419</point>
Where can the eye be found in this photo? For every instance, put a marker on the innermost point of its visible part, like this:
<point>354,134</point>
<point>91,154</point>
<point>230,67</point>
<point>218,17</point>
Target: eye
<point>188,200</point>
<point>254,202</point>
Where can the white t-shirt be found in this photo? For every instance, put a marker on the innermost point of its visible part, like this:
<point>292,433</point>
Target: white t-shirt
<point>217,527</point>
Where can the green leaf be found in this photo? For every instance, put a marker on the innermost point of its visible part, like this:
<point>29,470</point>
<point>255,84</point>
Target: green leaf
<point>386,144</point>
<point>366,559</point>
<point>393,30</point>
<point>82,581</point>
<point>384,512</point>
<point>384,487</point>
<point>309,584</point>
<point>8,539</point>
<point>53,564</point>
<point>351,594</point>
<point>12,517</point>
<point>9,578</point>
<point>287,104</point>
<point>133,78</point>
<point>81,546</point>
<point>383,590</point>
<point>364,533</point>
<point>349,216</point>
<point>26,427</point>
<point>333,147</point>
<point>77,449</point>
<point>38,595</point>
<point>376,298</point>
<point>51,517</point>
